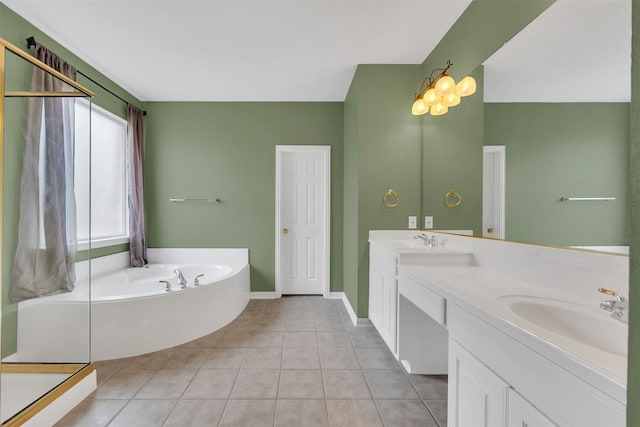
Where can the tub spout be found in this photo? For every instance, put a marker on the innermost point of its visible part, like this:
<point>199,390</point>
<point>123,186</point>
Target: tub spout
<point>181,280</point>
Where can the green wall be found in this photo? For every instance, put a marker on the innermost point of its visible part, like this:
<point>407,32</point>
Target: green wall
<point>563,149</point>
<point>452,159</point>
<point>633,357</point>
<point>227,150</point>
<point>382,152</point>
<point>15,30</point>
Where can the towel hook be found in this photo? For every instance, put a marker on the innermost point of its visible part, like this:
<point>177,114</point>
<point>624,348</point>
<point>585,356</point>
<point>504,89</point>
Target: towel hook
<point>452,199</point>
<point>391,199</point>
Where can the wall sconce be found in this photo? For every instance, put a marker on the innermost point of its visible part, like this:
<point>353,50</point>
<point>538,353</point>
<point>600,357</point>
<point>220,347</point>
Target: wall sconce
<point>438,93</point>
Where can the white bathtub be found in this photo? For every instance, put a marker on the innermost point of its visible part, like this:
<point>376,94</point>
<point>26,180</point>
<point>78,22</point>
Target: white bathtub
<point>131,311</point>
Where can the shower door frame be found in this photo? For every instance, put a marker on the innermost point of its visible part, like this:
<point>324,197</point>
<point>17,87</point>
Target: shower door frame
<point>77,371</point>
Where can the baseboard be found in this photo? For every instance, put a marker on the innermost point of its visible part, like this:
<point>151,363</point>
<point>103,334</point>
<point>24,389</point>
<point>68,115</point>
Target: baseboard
<point>263,295</point>
<point>352,314</point>
<point>335,295</point>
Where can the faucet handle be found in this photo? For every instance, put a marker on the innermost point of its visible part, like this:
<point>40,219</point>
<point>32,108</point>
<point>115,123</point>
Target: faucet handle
<point>196,281</point>
<point>166,283</point>
<point>611,293</point>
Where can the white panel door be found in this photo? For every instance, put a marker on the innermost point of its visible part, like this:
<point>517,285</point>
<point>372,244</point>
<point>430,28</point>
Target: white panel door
<point>493,187</point>
<point>302,220</point>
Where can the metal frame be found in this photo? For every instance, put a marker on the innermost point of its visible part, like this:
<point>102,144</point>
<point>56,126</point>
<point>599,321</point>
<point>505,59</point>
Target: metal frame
<point>77,371</point>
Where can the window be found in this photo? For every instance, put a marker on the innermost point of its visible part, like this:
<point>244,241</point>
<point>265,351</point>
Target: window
<point>108,151</point>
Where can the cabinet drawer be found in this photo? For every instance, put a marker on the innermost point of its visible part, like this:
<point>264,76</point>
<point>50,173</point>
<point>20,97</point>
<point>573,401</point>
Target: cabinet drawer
<point>426,300</point>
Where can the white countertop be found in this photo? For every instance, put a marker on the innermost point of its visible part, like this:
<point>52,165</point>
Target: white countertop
<point>486,292</point>
<point>483,293</point>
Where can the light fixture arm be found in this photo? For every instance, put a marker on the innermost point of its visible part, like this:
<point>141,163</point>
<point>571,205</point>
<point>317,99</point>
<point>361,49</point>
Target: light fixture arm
<point>431,80</point>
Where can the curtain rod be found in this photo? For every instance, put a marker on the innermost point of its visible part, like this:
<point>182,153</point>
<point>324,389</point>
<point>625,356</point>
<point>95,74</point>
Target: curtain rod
<point>31,41</point>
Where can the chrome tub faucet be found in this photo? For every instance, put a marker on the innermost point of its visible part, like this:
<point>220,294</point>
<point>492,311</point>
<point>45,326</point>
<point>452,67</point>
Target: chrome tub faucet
<point>181,280</point>
<point>618,307</point>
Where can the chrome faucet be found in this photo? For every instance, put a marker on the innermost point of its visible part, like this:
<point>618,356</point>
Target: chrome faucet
<point>618,306</point>
<point>181,280</point>
<point>428,241</point>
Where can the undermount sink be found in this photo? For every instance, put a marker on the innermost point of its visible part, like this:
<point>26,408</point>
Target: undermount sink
<point>580,323</point>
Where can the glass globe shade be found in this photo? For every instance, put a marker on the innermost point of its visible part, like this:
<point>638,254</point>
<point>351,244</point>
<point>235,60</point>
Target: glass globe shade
<point>451,100</point>
<point>418,107</point>
<point>445,85</point>
<point>430,98</point>
<point>466,86</point>
<point>439,109</point>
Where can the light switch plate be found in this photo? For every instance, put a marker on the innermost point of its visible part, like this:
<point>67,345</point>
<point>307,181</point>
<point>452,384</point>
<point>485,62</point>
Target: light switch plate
<point>428,222</point>
<point>413,222</point>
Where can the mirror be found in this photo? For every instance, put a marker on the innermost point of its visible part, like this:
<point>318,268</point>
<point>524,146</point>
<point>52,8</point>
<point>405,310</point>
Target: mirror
<point>557,97</point>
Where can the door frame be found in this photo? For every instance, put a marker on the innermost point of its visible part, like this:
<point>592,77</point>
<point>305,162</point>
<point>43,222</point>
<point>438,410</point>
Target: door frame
<point>500,152</point>
<point>325,150</point>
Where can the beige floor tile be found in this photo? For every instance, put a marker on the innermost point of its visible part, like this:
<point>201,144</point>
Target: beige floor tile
<point>224,358</point>
<point>300,384</point>
<point>188,358</point>
<point>353,413</point>
<point>376,358</point>
<point>147,413</point>
<point>263,358</point>
<point>123,384</point>
<point>196,413</point>
<point>297,413</point>
<point>439,410</point>
<point>300,358</point>
<point>268,339</point>
<point>307,324</point>
<point>300,339</point>
<point>166,384</point>
<point>249,413</point>
<point>345,384</point>
<point>430,387</point>
<point>333,339</point>
<point>338,358</point>
<point>256,384</point>
<point>405,413</point>
<point>236,339</point>
<point>156,360</point>
<point>93,412</point>
<point>390,385</point>
<point>211,384</point>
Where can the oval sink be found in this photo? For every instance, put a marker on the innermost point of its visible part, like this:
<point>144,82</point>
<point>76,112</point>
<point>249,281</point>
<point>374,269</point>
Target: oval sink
<point>584,324</point>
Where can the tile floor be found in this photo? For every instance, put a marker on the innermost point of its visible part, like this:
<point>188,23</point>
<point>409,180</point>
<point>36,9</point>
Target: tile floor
<point>295,361</point>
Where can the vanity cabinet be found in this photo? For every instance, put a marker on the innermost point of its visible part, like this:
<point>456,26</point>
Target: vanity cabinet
<point>491,373</point>
<point>383,293</point>
<point>523,414</point>
<point>477,396</point>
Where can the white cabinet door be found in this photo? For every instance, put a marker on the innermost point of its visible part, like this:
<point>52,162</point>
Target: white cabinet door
<point>375,295</point>
<point>389,310</point>
<point>477,396</point>
<point>523,414</point>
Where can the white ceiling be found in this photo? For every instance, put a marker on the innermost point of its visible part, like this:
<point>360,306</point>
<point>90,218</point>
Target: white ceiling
<point>575,51</point>
<point>308,50</point>
<point>241,50</point>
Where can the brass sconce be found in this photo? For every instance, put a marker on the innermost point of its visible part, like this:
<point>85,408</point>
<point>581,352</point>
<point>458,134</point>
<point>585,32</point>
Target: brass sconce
<point>438,93</point>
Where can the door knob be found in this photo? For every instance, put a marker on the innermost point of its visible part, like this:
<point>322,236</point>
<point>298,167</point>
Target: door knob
<point>490,230</point>
<point>285,230</point>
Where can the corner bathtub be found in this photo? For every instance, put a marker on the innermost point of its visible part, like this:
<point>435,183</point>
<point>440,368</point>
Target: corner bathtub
<point>131,312</point>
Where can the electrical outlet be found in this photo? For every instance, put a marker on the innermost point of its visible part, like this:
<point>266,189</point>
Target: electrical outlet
<point>413,222</point>
<point>428,222</point>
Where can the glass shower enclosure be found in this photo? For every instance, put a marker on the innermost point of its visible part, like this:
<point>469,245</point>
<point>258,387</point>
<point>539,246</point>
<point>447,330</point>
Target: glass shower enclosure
<point>45,340</point>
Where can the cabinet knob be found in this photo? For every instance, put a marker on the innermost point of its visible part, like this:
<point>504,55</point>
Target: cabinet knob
<point>490,230</point>
<point>285,230</point>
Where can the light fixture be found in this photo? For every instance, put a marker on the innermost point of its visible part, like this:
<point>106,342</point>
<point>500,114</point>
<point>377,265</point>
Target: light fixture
<point>438,93</point>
